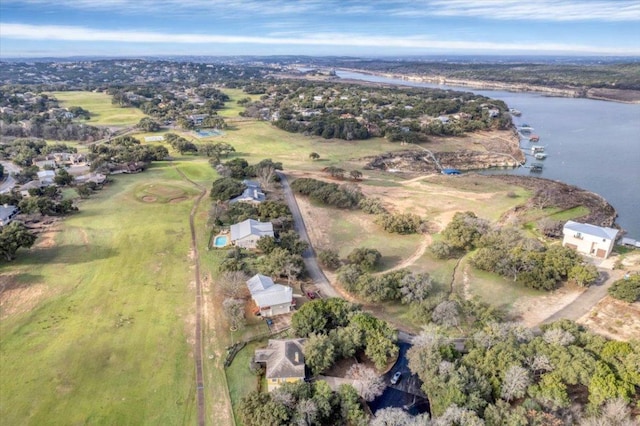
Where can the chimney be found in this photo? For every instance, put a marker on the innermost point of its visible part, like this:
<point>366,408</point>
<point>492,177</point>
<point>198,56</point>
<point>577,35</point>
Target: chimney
<point>297,357</point>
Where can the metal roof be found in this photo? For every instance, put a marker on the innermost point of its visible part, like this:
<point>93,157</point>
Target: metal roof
<point>588,229</point>
<point>251,227</point>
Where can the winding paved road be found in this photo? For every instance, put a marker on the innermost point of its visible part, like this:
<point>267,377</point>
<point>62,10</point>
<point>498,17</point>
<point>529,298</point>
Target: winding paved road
<point>9,182</point>
<point>309,255</point>
<point>588,299</point>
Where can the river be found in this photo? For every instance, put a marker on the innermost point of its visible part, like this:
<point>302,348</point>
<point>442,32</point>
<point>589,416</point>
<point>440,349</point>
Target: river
<point>592,144</point>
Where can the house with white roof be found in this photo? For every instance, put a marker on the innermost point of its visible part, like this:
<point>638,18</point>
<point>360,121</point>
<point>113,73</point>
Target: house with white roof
<point>246,234</point>
<point>7,213</point>
<point>284,360</point>
<point>270,298</point>
<point>252,194</point>
<point>592,240</point>
<point>46,176</point>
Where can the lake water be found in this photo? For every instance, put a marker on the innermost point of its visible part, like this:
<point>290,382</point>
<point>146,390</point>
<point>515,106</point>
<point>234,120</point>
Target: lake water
<point>592,144</point>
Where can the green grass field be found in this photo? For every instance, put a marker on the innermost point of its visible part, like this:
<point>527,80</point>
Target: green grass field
<point>98,326</point>
<point>106,340</point>
<point>103,113</point>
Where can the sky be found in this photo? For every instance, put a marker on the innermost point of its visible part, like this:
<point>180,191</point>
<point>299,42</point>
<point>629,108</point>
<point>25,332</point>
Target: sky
<point>59,28</point>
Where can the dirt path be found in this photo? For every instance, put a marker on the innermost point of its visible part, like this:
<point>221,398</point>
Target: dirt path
<point>422,248</point>
<point>198,346</point>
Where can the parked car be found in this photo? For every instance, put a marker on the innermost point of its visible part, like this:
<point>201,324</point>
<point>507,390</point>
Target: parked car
<point>311,295</point>
<point>396,378</point>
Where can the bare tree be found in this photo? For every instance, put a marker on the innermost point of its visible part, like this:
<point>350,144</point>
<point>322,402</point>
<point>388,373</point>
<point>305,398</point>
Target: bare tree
<point>615,412</point>
<point>284,397</point>
<point>515,383</point>
<point>369,383</point>
<point>291,270</point>
<point>234,309</point>
<point>446,314</point>
<point>234,284</point>
<point>557,336</point>
<point>539,364</point>
<point>306,412</point>
<point>265,177</point>
<point>398,417</point>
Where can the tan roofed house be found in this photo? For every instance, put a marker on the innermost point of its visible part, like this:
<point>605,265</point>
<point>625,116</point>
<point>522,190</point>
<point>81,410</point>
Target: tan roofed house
<point>592,240</point>
<point>284,360</point>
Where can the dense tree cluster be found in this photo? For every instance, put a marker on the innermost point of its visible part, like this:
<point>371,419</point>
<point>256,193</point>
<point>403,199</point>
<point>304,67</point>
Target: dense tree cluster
<point>225,188</point>
<point>351,112</point>
<point>340,196</point>
<point>508,374</point>
<point>26,114</point>
<point>23,151</point>
<point>338,329</point>
<point>627,288</point>
<point>124,150</point>
<point>507,252</point>
<point>303,404</point>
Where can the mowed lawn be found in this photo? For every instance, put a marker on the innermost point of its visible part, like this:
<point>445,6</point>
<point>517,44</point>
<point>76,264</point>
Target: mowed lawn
<point>108,338</point>
<point>103,113</point>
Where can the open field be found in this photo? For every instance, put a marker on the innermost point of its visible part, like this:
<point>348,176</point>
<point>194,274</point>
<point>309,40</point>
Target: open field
<point>103,113</point>
<point>96,318</point>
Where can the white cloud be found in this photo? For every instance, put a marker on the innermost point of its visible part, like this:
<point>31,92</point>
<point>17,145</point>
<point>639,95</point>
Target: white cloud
<point>83,34</point>
<point>538,10</point>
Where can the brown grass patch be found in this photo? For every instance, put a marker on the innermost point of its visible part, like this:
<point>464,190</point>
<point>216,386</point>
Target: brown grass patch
<point>17,298</point>
<point>614,319</point>
<point>177,200</point>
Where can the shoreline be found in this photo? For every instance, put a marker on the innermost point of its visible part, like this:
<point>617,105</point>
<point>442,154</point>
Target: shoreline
<point>566,92</point>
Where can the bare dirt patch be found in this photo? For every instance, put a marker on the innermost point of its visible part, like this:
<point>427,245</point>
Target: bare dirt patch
<point>17,298</point>
<point>149,199</point>
<point>177,200</point>
<point>532,310</point>
<point>46,240</point>
<point>614,319</point>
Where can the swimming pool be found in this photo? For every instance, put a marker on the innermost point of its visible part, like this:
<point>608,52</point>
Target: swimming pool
<point>220,241</point>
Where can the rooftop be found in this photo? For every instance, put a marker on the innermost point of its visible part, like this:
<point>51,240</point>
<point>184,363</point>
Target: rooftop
<point>588,229</point>
<point>251,227</point>
<point>284,358</point>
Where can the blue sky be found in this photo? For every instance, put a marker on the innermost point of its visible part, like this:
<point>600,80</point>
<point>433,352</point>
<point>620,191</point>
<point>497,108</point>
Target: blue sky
<point>32,28</point>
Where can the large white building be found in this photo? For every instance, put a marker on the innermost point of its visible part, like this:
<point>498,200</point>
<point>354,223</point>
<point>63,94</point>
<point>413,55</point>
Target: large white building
<point>592,240</point>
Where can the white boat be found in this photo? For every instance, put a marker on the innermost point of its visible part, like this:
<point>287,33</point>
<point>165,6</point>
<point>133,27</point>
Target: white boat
<point>540,156</point>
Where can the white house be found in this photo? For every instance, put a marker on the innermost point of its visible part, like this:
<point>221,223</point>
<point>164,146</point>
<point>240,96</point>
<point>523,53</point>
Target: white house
<point>246,234</point>
<point>592,240</point>
<point>270,298</point>
<point>7,213</point>
<point>252,194</point>
<point>46,176</point>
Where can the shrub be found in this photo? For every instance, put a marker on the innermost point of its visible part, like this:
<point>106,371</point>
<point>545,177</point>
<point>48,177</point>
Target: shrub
<point>442,250</point>
<point>329,259</point>
<point>372,206</point>
<point>626,289</point>
<point>405,223</point>
<point>365,259</point>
